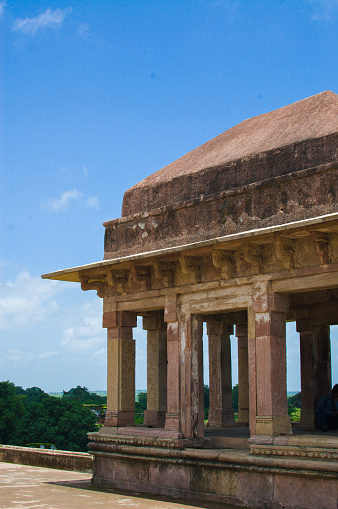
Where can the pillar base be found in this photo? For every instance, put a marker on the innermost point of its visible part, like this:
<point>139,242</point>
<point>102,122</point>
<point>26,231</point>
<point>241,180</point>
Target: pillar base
<point>307,420</point>
<point>116,418</point>
<point>268,425</point>
<point>173,422</point>
<point>154,418</point>
<point>243,415</point>
<point>219,418</point>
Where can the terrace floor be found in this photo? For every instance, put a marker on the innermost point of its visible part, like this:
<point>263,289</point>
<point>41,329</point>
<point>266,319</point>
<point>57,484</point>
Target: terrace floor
<point>27,487</point>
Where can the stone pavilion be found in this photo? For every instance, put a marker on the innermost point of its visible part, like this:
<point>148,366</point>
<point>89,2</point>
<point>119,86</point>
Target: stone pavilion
<point>240,234</point>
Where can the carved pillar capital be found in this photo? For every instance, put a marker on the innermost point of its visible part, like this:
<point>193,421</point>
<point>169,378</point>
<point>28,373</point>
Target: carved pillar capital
<point>119,319</point>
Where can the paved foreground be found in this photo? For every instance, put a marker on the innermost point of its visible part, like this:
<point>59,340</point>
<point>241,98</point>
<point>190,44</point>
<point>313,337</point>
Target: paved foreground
<point>26,487</point>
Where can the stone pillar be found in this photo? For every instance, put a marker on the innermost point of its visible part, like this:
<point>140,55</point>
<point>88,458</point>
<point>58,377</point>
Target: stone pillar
<point>172,425</point>
<point>156,369</point>
<point>243,373</point>
<point>120,368</point>
<point>315,368</point>
<point>321,361</point>
<point>267,362</point>
<point>220,381</point>
<point>192,393</point>
<point>304,327</point>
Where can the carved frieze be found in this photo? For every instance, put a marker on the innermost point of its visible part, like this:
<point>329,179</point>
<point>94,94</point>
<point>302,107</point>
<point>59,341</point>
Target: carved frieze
<point>296,452</point>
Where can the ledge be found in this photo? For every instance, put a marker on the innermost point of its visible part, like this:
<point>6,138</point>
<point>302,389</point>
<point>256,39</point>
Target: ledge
<point>60,460</point>
<point>73,274</point>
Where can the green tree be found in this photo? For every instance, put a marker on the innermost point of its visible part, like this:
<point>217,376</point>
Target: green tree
<point>62,422</point>
<point>294,406</point>
<point>11,411</point>
<point>83,395</point>
<point>34,395</point>
<point>206,401</point>
<point>295,400</point>
<point>141,402</point>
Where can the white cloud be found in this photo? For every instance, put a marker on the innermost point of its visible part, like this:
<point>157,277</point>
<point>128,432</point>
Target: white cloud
<point>47,354</point>
<point>93,202</point>
<point>87,336</point>
<point>2,8</point>
<point>66,198</point>
<point>48,328</point>
<point>27,301</point>
<point>64,201</point>
<point>19,356</point>
<point>83,31</point>
<point>324,10</point>
<point>48,19</point>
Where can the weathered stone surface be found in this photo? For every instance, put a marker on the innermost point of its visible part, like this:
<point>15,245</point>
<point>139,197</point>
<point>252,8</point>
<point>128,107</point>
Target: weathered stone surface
<point>226,476</point>
<point>279,200</point>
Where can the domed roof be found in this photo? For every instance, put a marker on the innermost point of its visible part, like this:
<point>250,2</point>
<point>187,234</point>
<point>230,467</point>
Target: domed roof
<point>297,136</point>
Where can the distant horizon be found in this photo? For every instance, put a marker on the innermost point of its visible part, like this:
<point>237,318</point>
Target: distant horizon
<point>96,391</point>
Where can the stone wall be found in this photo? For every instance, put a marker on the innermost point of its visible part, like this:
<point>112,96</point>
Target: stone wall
<point>60,460</point>
<point>279,200</point>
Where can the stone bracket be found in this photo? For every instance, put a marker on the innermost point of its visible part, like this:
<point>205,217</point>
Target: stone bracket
<point>322,246</point>
<point>223,260</point>
<point>252,255</point>
<point>165,272</point>
<point>120,279</point>
<point>284,250</point>
<point>192,267</point>
<point>89,284</point>
<point>142,275</point>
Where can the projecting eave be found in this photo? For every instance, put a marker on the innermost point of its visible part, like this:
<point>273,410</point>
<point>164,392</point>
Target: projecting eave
<point>96,269</point>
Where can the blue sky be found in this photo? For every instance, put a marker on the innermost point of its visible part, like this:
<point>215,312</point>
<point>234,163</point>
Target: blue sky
<point>95,96</point>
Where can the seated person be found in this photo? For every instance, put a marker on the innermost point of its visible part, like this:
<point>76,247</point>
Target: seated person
<point>327,410</point>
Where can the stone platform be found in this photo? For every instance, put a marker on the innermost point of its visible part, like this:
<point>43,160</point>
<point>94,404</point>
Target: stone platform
<point>290,471</point>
